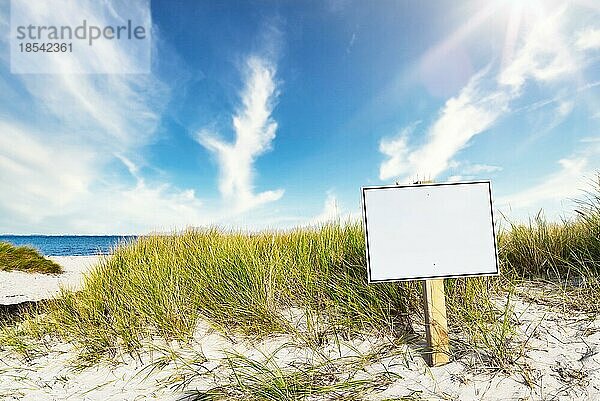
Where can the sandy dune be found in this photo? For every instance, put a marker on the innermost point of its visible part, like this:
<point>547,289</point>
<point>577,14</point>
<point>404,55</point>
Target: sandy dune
<point>560,361</point>
<point>559,358</point>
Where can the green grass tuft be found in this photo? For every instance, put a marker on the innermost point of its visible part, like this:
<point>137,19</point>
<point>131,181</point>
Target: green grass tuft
<point>25,259</point>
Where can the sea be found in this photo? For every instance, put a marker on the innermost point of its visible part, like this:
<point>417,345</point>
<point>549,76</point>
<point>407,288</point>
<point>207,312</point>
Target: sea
<point>68,245</point>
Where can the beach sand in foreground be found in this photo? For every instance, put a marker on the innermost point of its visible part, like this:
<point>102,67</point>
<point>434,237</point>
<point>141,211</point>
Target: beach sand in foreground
<point>559,361</point>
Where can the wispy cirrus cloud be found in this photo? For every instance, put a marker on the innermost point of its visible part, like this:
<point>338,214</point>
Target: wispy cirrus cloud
<point>588,39</point>
<point>471,112</point>
<point>560,185</point>
<point>330,211</point>
<point>67,132</point>
<point>397,150</point>
<point>61,133</point>
<point>556,190</point>
<point>39,177</point>
<point>544,56</point>
<point>254,133</point>
<point>470,171</point>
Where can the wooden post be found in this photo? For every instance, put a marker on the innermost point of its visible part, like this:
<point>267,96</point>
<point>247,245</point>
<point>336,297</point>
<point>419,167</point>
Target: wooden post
<point>436,324</point>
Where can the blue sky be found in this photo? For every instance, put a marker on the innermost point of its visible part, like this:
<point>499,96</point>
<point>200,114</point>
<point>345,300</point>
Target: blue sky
<point>274,114</point>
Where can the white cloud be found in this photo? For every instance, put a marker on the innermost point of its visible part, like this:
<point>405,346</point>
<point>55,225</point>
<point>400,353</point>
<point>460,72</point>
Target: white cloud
<point>468,172</point>
<point>140,209</point>
<point>60,133</point>
<point>109,111</point>
<point>543,56</point>
<point>588,39</point>
<point>396,149</point>
<point>61,162</point>
<point>49,187</point>
<point>157,206</point>
<point>456,178</point>
<point>40,177</point>
<point>480,168</point>
<point>254,132</point>
<point>351,43</point>
<point>462,117</point>
<point>471,112</point>
<point>555,192</point>
<point>104,56</point>
<point>564,108</point>
<point>330,210</point>
<point>564,183</point>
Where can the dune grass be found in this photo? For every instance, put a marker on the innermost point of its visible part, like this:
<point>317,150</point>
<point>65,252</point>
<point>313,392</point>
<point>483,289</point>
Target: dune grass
<point>309,282</point>
<point>250,284</point>
<point>26,259</point>
<point>557,250</point>
<point>563,258</point>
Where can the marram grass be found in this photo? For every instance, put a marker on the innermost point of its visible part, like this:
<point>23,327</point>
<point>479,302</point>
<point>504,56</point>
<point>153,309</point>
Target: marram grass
<point>561,259</point>
<point>162,285</point>
<point>243,283</point>
<point>26,259</point>
<point>542,249</point>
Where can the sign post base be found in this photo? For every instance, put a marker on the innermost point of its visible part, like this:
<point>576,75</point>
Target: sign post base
<point>436,325</point>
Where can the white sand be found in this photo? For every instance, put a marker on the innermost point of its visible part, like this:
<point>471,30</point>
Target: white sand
<point>17,287</point>
<point>560,361</point>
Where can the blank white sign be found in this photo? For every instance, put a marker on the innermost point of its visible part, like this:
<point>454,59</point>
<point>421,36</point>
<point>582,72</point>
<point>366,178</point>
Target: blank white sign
<point>429,231</point>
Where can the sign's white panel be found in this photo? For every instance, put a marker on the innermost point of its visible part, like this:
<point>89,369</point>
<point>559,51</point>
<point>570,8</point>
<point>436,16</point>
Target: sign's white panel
<point>429,231</point>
